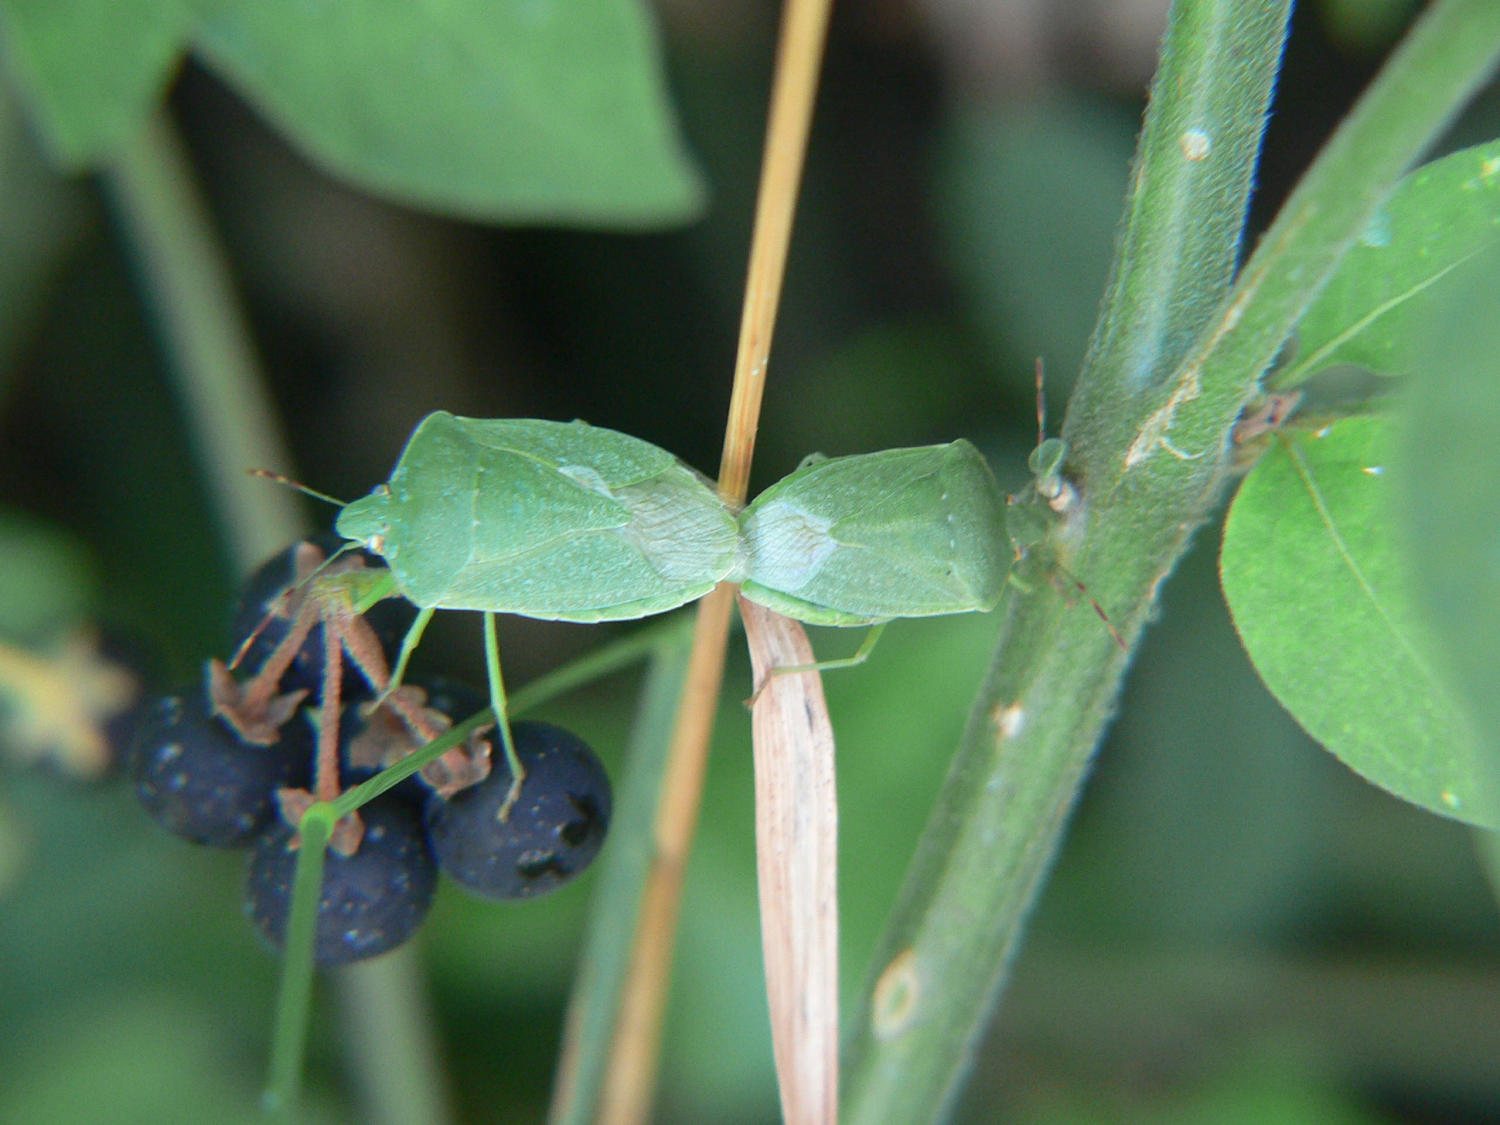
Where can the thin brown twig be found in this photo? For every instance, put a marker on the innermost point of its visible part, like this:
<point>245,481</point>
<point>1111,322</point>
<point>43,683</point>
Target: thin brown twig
<point>630,1075</point>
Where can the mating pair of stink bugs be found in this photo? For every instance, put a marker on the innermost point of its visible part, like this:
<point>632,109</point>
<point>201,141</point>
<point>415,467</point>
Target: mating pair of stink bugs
<point>570,522</point>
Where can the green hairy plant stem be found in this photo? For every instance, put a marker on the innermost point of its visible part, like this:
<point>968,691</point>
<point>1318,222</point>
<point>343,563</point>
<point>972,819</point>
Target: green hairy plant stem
<point>1176,355</point>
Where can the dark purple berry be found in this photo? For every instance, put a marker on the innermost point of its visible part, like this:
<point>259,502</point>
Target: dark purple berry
<point>554,829</point>
<point>454,698</point>
<point>372,901</point>
<point>199,780</point>
<point>137,659</point>
<point>256,610</point>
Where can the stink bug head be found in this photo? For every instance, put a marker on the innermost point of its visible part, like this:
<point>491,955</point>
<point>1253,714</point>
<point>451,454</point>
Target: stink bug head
<point>367,520</point>
<point>1046,462</point>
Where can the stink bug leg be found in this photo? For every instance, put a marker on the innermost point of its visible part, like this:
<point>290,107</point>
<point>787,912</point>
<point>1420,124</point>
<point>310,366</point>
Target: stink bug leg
<point>502,715</point>
<point>409,645</point>
<point>860,655</point>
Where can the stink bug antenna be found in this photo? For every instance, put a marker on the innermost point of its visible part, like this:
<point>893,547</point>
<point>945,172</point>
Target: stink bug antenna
<point>1041,437</point>
<point>1041,402</point>
<point>298,486</point>
<point>278,478</point>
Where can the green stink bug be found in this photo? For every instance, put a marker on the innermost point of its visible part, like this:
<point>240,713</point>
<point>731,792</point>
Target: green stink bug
<point>558,520</point>
<point>862,539</point>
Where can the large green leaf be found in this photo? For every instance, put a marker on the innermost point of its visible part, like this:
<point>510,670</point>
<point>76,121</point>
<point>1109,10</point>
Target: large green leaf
<point>91,70</point>
<point>1372,310</point>
<point>1449,491</point>
<point>1322,599</point>
<point>513,110</point>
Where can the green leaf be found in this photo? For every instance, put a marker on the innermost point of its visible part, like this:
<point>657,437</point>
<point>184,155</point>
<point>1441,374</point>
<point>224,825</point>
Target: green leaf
<point>1373,308</point>
<point>521,111</point>
<point>1448,492</point>
<point>91,71</point>
<point>1323,602</point>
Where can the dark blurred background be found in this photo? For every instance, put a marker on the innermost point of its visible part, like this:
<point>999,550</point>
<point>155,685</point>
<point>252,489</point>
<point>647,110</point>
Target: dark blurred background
<point>1239,929</point>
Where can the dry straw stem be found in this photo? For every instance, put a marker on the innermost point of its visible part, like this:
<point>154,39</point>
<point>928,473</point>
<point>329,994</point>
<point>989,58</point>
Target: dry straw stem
<point>631,1071</point>
<point>796,848</point>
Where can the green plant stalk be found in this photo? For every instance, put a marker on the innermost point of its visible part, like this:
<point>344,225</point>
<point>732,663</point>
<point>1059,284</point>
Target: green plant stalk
<point>1179,427</point>
<point>396,1059</point>
<point>185,274</point>
<point>1149,461</point>
<point>1185,207</point>
<point>605,962</point>
<point>294,1003</point>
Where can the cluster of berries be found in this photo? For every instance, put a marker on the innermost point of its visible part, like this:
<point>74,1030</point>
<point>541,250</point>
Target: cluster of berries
<point>236,761</point>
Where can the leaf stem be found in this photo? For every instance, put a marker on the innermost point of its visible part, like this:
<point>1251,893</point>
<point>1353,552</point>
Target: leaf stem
<point>185,274</point>
<point>294,1002</point>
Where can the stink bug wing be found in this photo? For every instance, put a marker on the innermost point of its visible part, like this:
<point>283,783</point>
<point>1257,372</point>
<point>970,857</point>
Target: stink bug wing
<point>557,520</point>
<point>900,533</point>
<point>672,549</point>
<point>617,458</point>
<point>460,507</point>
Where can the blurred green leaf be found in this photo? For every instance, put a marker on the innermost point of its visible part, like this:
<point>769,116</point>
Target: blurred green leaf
<point>46,579</point>
<point>1204,807</point>
<point>1373,310</point>
<point>890,384</point>
<point>91,70</point>
<point>529,111</point>
<point>1274,1089</point>
<point>1323,603</point>
<point>1449,492</point>
<point>46,219</point>
<point>14,848</point>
